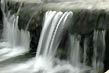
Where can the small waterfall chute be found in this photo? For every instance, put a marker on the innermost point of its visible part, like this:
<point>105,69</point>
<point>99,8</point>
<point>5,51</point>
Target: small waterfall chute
<point>99,50</point>
<point>17,42</point>
<point>51,35</point>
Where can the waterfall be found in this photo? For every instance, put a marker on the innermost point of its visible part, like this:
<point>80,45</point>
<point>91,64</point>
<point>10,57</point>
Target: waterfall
<point>75,56</point>
<point>53,28</point>
<point>15,42</point>
<point>55,24</point>
<point>74,47</point>
<point>99,49</point>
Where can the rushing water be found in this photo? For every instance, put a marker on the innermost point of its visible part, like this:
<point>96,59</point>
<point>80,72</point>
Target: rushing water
<point>46,62</point>
<point>99,50</point>
<point>16,42</point>
<point>51,35</point>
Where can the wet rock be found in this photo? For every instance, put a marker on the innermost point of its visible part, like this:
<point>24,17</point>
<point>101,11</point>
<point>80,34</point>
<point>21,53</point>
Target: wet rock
<point>85,21</point>
<point>35,34</point>
<point>1,22</point>
<point>28,14</point>
<point>106,60</point>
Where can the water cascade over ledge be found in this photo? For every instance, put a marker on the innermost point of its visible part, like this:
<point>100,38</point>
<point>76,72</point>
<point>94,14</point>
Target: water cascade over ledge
<point>15,42</point>
<point>84,54</point>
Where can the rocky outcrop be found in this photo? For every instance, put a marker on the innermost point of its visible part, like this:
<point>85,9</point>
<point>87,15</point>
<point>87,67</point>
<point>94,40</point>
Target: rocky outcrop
<point>89,19</point>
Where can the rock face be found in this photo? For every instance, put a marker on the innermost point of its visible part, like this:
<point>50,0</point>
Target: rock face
<point>28,1</point>
<point>1,23</point>
<point>89,19</point>
<point>1,20</point>
<point>106,61</point>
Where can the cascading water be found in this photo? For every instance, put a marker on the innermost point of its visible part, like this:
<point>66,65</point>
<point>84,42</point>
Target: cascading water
<point>99,50</point>
<point>51,35</point>
<point>15,42</point>
<point>45,59</point>
<point>74,47</point>
<point>98,53</point>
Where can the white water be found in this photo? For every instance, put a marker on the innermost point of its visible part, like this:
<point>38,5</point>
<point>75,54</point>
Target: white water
<point>16,42</point>
<point>46,62</point>
<point>51,35</point>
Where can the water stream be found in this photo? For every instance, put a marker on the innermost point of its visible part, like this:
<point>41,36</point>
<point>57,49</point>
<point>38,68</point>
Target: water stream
<point>16,42</point>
